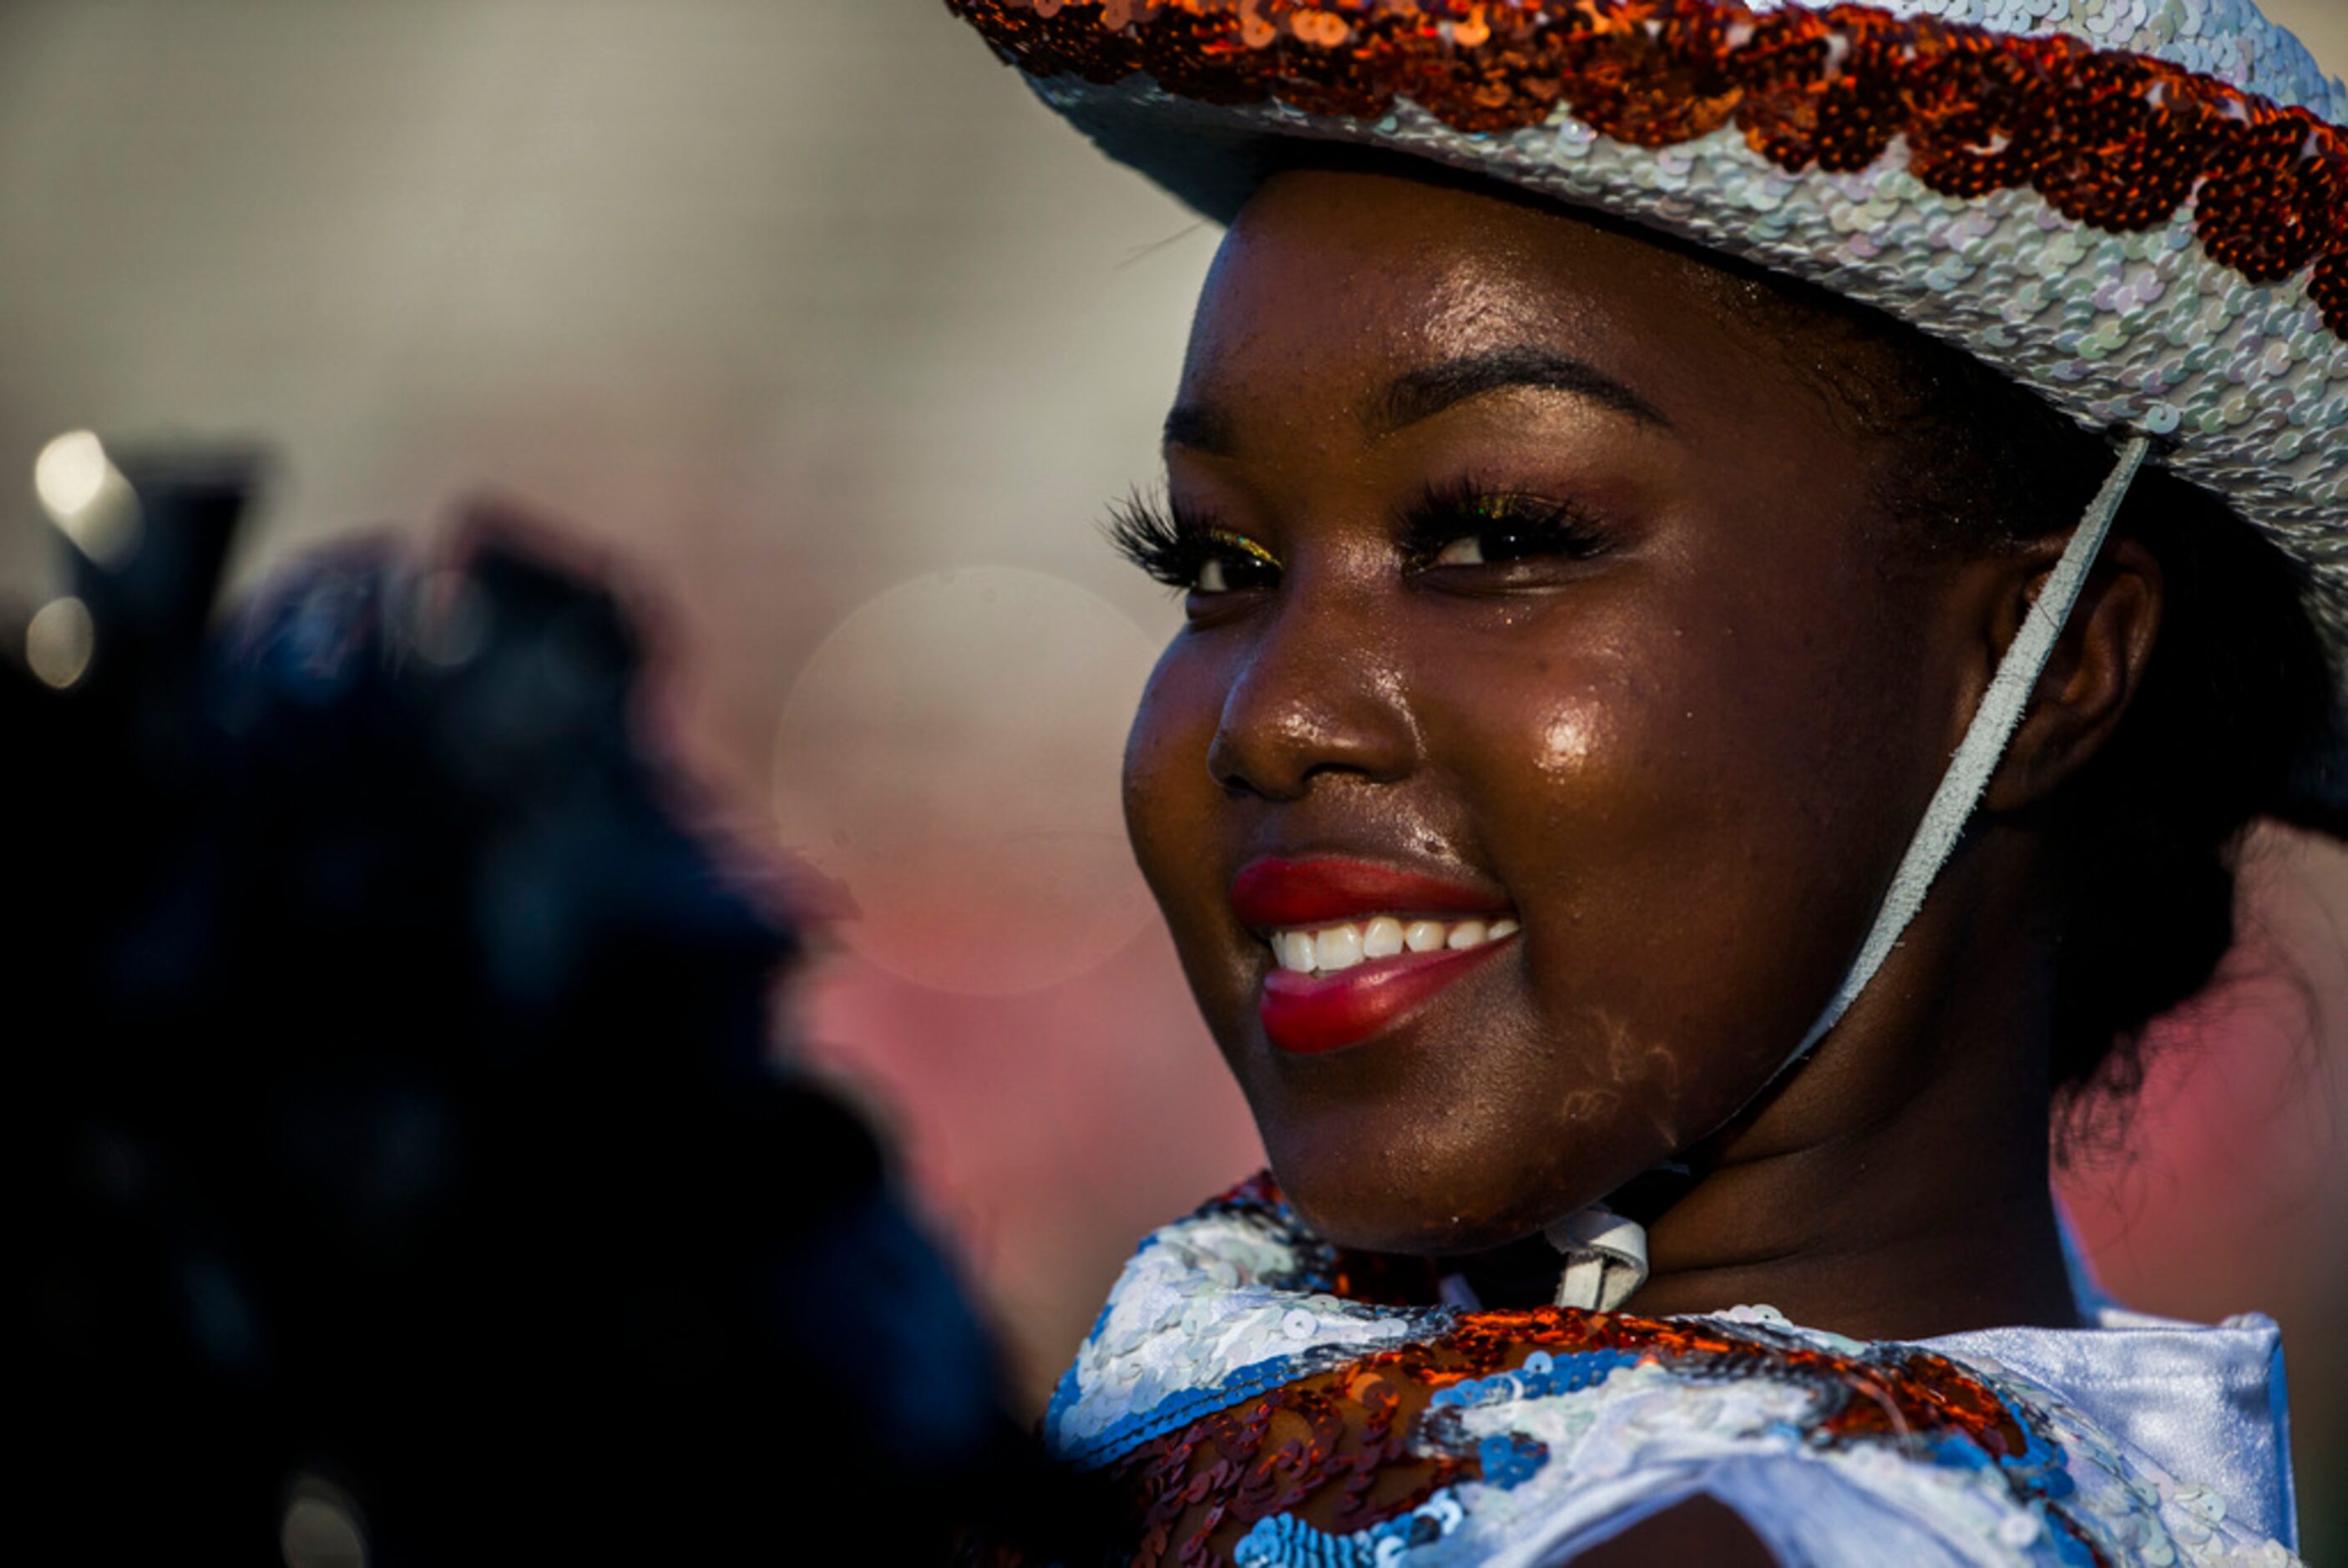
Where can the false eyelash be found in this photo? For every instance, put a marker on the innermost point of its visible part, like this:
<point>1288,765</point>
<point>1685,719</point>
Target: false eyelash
<point>1168,546</point>
<point>1450,510</point>
<point>1141,529</point>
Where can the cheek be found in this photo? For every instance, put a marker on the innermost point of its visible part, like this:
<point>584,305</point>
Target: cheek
<point>1170,799</point>
<point>1567,735</point>
<point>1586,748</point>
<point>1608,820</point>
<point>1659,806</point>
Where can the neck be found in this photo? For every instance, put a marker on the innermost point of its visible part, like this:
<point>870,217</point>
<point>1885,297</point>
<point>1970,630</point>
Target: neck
<point>1903,1233</point>
<point>1896,1185</point>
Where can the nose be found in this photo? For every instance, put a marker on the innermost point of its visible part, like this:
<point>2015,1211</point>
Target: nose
<point>1319,692</point>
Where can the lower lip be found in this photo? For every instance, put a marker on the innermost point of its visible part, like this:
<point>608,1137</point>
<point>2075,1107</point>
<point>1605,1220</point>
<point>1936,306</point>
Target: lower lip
<point>1306,1014</point>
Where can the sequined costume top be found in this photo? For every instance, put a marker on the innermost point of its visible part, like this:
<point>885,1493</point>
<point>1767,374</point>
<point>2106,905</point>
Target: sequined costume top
<point>1254,1406</point>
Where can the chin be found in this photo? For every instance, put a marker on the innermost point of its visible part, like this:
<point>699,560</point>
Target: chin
<point>1426,1205</point>
<point>1446,1147</point>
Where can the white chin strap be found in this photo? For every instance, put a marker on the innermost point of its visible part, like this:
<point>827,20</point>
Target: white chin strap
<point>1984,746</point>
<point>1606,1254</point>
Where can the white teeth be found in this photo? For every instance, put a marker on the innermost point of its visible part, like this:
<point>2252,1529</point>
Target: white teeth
<point>1339,947</point>
<point>1332,949</point>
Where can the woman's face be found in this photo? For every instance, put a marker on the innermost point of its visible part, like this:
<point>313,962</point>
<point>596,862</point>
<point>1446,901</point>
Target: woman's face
<point>1541,624</point>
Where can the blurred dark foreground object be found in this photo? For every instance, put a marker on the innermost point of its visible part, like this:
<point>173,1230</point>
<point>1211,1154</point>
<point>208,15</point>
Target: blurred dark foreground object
<point>408,1180</point>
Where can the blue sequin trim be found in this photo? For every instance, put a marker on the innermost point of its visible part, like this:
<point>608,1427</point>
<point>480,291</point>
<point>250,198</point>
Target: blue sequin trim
<point>1511,1459</point>
<point>1284,1540</point>
<point>1541,1374</point>
<point>1178,1410</point>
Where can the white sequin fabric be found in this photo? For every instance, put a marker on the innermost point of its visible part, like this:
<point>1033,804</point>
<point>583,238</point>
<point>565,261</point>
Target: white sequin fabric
<point>1232,1302</point>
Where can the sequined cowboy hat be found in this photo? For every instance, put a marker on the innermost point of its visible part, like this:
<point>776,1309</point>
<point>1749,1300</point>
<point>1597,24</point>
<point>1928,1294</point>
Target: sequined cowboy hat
<point>2137,207</point>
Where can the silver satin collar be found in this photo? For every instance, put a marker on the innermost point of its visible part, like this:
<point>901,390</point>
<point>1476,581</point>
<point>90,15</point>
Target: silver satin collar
<point>2206,1404</point>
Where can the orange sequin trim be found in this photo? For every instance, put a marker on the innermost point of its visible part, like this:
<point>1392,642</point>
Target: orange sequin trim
<point>2111,138</point>
<point>1345,1447</point>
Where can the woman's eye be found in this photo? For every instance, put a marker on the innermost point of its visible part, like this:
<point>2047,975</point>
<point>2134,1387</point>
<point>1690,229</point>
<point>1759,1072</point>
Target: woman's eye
<point>1499,531</point>
<point>1188,555</point>
<point>1495,546</point>
<point>1468,550</point>
<point>1234,565</point>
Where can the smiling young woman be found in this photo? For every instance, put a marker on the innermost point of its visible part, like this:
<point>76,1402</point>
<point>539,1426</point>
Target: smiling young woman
<point>1582,619</point>
<point>1565,606</point>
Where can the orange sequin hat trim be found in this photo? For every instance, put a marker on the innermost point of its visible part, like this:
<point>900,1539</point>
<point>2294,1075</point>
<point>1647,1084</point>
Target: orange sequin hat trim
<point>2110,139</point>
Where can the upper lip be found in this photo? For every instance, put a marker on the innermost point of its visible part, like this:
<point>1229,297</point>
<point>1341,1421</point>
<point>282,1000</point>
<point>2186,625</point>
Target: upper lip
<point>1278,892</point>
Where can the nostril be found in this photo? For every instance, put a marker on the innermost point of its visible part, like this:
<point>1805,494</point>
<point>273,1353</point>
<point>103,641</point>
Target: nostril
<point>1312,695</point>
<point>1235,785</point>
<point>1282,763</point>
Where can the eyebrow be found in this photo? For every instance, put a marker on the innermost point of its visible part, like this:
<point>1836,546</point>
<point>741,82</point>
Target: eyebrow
<point>1423,394</point>
<point>1419,394</point>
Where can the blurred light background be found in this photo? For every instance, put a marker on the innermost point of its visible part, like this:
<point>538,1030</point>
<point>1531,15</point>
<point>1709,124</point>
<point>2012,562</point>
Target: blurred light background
<point>811,319</point>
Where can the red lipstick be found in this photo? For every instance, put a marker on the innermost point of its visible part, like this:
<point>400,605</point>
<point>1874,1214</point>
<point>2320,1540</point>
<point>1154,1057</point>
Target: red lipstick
<point>1310,1014</point>
<point>1323,891</point>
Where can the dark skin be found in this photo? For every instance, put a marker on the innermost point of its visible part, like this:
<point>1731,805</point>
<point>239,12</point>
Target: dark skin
<point>1688,744</point>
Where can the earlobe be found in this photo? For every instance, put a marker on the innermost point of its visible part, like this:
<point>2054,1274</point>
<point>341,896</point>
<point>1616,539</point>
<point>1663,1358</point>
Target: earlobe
<point>2097,666</point>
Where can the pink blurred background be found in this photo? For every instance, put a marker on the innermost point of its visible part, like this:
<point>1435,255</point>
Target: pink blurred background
<point>811,318</point>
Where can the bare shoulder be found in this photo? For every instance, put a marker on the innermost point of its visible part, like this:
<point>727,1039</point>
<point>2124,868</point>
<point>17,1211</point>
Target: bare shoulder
<point>1700,1530</point>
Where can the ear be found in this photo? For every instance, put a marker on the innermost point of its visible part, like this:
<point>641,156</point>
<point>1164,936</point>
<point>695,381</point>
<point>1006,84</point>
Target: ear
<point>2096,666</point>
